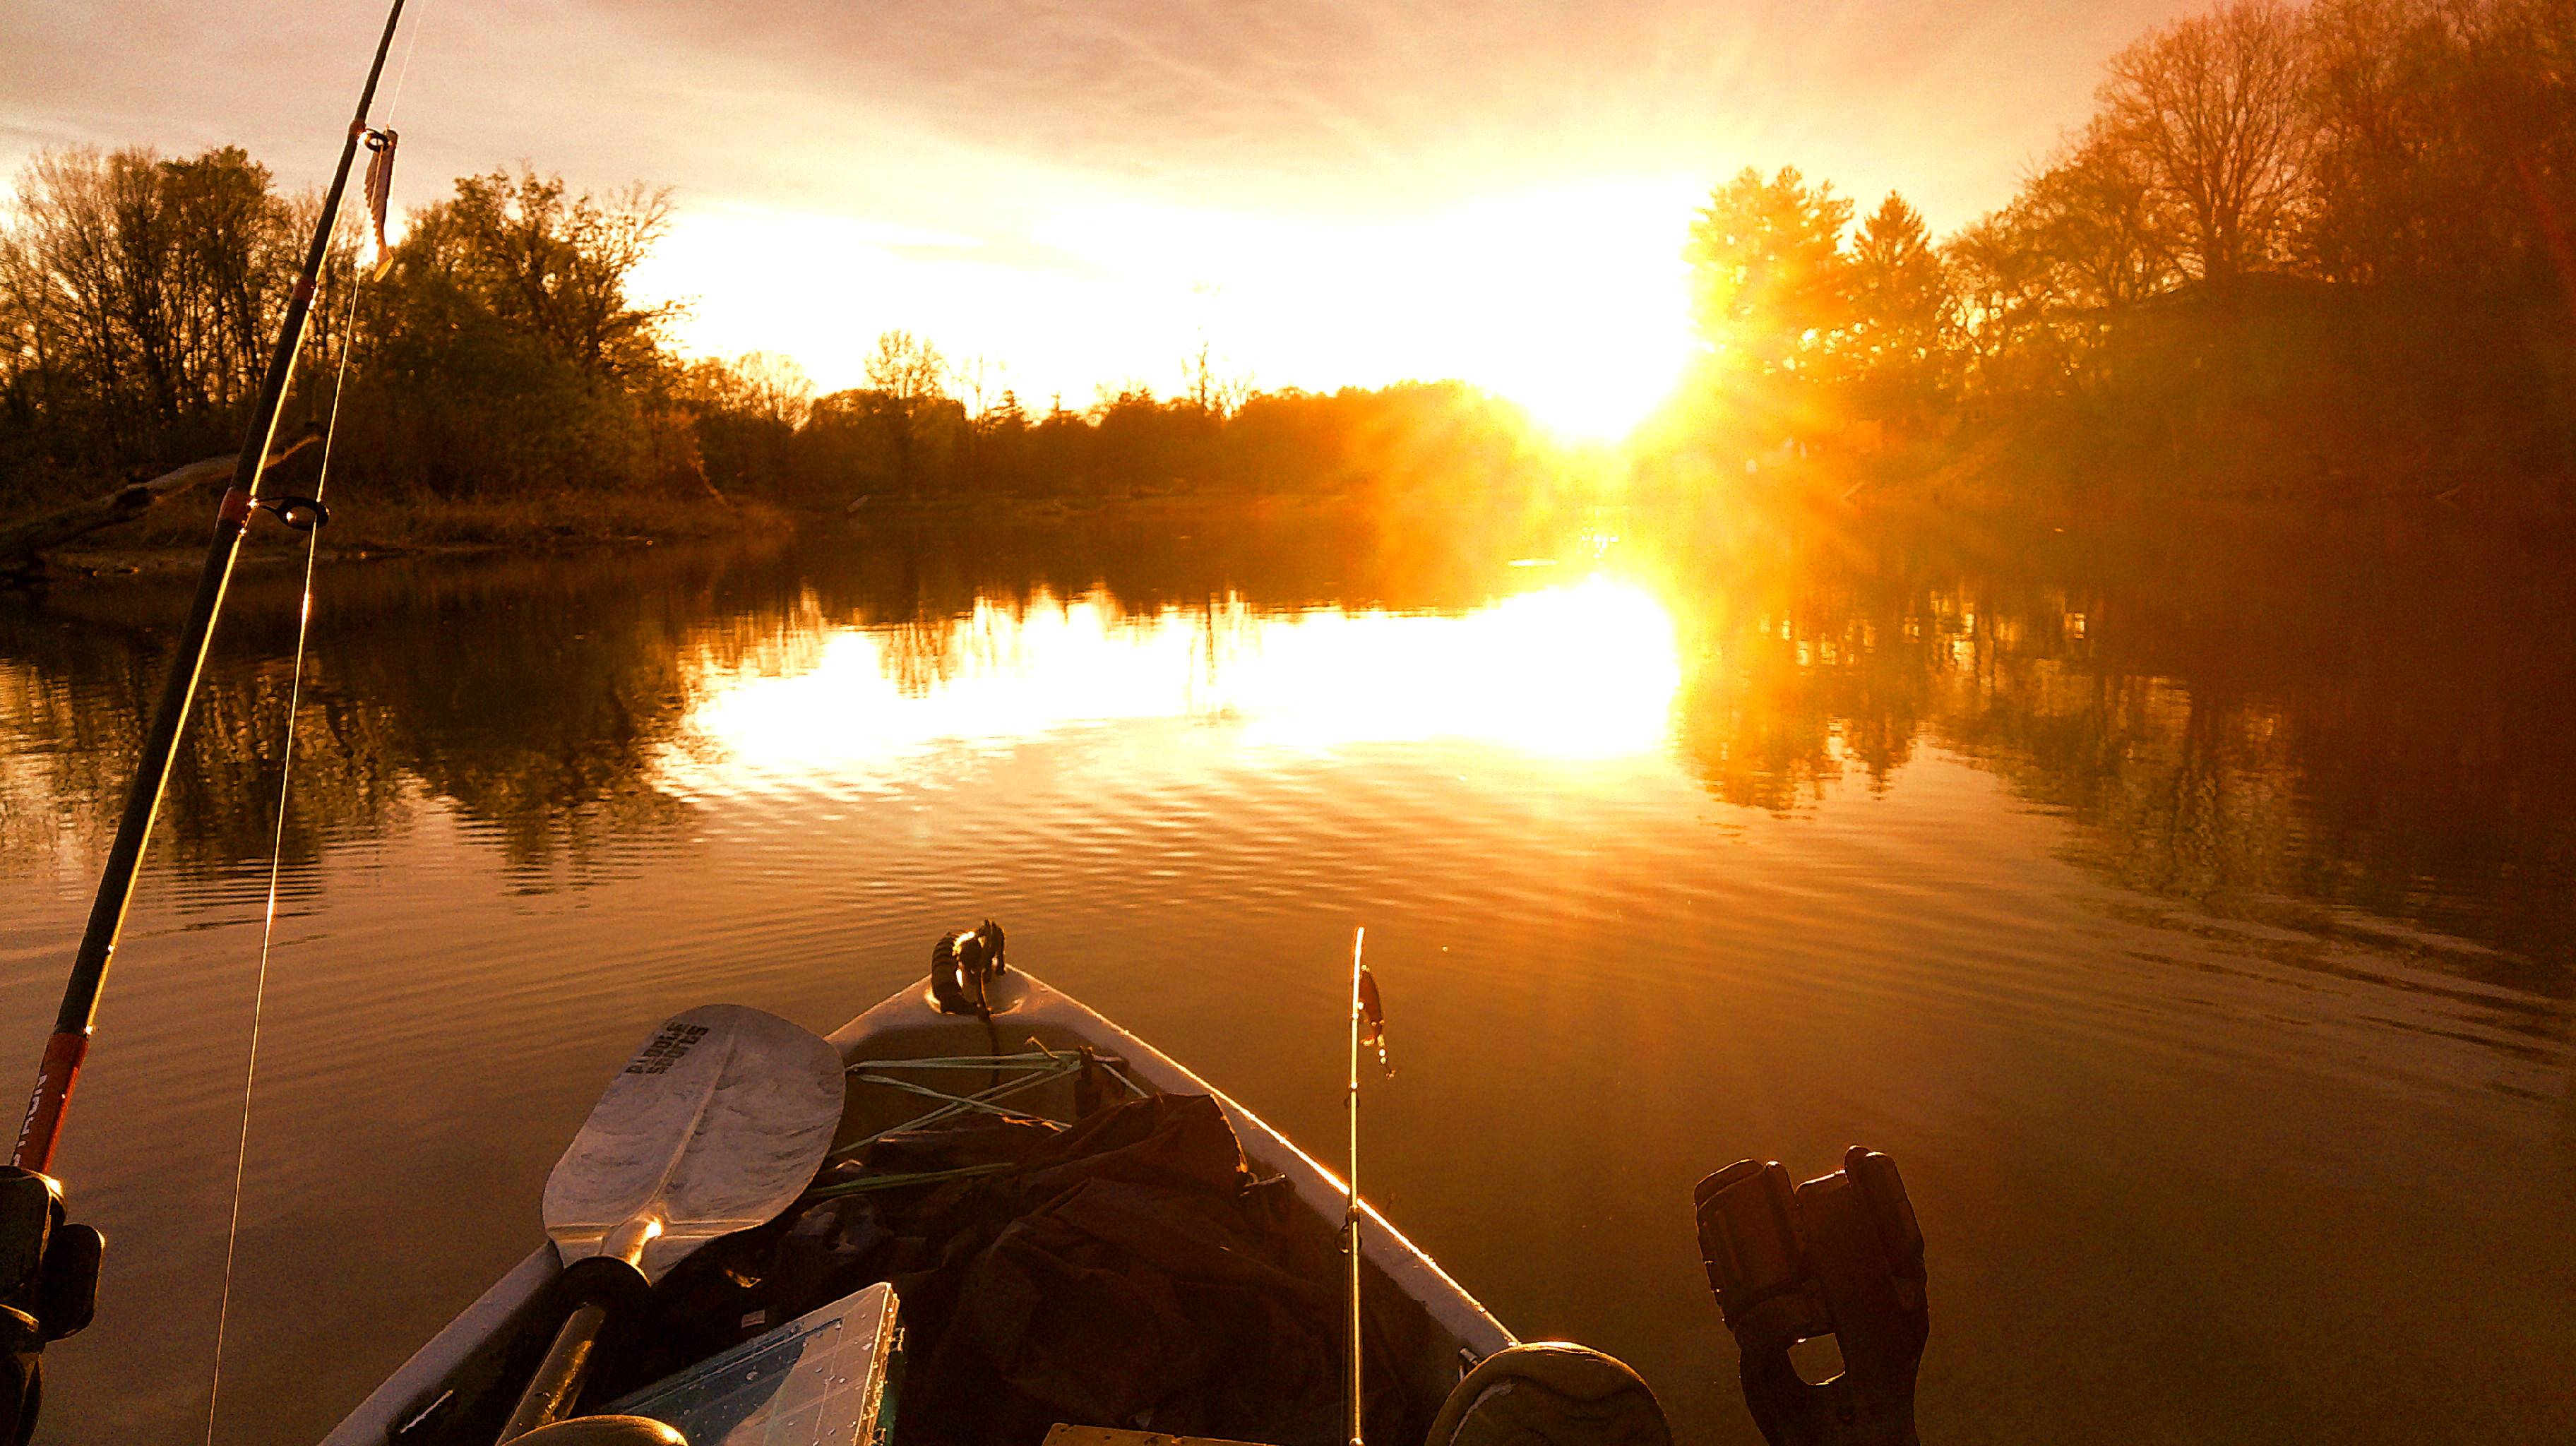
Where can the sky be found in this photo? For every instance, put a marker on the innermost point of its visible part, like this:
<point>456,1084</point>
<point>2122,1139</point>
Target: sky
<point>1312,193</point>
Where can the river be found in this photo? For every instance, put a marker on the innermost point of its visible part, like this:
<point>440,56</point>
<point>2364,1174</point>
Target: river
<point>2188,905</point>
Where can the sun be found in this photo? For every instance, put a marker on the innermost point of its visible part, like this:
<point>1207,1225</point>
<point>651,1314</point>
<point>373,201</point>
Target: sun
<point>1569,301</point>
<point>1574,302</point>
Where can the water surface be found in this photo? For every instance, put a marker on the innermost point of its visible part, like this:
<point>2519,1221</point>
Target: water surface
<point>2188,907</point>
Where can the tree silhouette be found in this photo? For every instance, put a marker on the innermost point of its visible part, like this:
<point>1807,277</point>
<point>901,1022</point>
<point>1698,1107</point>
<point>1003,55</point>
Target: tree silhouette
<point>137,296</point>
<point>1900,306</point>
<point>2211,107</point>
<point>745,414</point>
<point>558,268</point>
<point>2007,339</point>
<point>1770,288</point>
<point>910,381</point>
<point>504,351</point>
<point>2094,213</point>
<point>1770,293</point>
<point>2445,138</point>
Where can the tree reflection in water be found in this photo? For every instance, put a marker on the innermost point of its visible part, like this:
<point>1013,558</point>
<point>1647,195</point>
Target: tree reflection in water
<point>2340,725</point>
<point>2275,719</point>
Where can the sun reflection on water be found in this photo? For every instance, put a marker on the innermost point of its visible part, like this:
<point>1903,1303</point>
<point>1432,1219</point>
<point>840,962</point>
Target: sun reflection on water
<point>1581,671</point>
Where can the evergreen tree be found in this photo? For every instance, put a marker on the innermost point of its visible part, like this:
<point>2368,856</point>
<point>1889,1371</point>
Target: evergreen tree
<point>1771,296</point>
<point>1900,305</point>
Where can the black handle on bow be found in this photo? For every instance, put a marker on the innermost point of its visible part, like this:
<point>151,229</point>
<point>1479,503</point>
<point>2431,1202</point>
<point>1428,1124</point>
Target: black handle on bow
<point>1840,1255</point>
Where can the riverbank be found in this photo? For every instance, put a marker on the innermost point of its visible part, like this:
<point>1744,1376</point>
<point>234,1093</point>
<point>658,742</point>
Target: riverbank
<point>173,536</point>
<point>2052,464</point>
<point>1987,493</point>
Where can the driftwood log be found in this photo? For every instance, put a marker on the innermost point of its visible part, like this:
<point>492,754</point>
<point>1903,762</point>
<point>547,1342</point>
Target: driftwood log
<point>22,542</point>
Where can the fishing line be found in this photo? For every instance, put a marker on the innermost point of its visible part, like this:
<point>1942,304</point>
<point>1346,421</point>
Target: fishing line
<point>358,276</point>
<point>277,850</point>
<point>394,104</point>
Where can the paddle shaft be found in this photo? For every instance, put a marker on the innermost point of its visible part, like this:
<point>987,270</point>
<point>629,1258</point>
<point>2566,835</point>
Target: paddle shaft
<point>557,1383</point>
<point>73,1023</point>
<point>558,1380</point>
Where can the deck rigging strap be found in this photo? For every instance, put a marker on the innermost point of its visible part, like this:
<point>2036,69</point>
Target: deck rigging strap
<point>1037,1067</point>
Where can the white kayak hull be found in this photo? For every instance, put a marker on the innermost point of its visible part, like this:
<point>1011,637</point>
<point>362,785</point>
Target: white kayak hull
<point>910,1026</point>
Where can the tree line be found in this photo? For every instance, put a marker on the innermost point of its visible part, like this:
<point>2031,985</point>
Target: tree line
<point>2288,238</point>
<point>2293,242</point>
<point>497,346</point>
<point>926,429</point>
<point>500,350</point>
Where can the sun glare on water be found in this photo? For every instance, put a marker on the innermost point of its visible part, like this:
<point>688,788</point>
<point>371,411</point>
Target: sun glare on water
<point>1585,671</point>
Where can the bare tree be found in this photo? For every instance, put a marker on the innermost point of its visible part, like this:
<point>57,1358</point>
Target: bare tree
<point>910,379</point>
<point>2437,121</point>
<point>140,292</point>
<point>981,384</point>
<point>2212,108</point>
<point>2005,332</point>
<point>2095,213</point>
<point>908,367</point>
<point>779,388</point>
<point>1214,392</point>
<point>63,275</point>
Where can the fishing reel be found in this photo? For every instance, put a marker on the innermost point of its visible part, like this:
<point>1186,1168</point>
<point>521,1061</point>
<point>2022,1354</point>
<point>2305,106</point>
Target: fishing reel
<point>1838,1256</point>
<point>48,1290</point>
<point>962,964</point>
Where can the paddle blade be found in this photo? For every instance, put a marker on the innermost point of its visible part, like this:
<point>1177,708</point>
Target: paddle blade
<point>716,1125</point>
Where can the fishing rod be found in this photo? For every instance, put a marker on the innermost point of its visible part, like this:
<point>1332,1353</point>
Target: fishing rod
<point>48,1269</point>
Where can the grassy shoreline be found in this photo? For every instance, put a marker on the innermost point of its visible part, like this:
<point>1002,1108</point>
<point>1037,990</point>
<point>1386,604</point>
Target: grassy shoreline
<point>174,535</point>
<point>1974,488</point>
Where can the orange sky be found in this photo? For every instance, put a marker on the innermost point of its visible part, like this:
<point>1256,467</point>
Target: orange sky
<point>1320,193</point>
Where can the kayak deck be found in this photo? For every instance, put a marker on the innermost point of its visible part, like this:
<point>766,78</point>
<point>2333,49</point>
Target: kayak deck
<point>918,1071</point>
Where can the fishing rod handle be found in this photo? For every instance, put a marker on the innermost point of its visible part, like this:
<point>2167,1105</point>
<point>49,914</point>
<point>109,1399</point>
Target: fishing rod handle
<point>64,1052</point>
